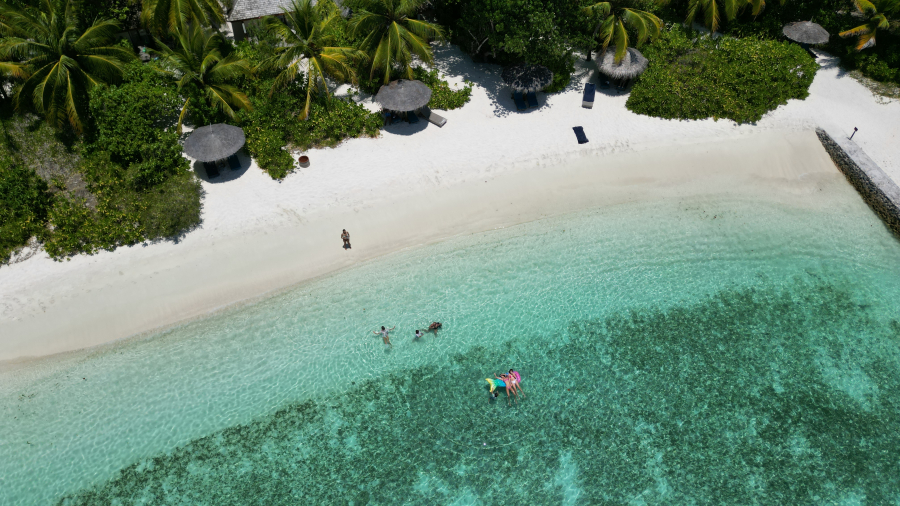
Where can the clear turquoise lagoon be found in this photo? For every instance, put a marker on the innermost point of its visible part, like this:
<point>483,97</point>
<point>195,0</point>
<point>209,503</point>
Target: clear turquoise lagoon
<point>722,350</point>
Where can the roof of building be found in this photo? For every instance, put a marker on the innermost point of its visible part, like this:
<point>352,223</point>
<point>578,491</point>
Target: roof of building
<point>252,9</point>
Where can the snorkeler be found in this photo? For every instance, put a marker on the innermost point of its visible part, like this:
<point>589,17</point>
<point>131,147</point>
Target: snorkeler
<point>434,327</point>
<point>384,335</point>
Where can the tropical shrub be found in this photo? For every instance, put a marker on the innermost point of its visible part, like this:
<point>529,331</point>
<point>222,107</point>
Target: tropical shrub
<point>442,95</point>
<point>24,204</point>
<point>738,79</point>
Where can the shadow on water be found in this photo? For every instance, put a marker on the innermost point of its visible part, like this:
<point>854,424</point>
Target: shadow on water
<point>778,395</point>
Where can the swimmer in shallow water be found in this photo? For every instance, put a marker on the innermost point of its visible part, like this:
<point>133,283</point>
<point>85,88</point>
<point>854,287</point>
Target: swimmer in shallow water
<point>434,327</point>
<point>384,335</point>
<point>516,381</point>
<point>419,335</point>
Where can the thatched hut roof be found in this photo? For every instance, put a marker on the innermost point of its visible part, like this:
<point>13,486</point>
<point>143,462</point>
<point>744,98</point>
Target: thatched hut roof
<point>214,142</point>
<point>632,65</point>
<point>525,77</point>
<point>806,32</point>
<point>403,95</point>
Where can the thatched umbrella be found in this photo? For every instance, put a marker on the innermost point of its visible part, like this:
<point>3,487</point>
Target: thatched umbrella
<point>403,95</point>
<point>632,65</point>
<point>214,142</point>
<point>525,77</point>
<point>806,32</point>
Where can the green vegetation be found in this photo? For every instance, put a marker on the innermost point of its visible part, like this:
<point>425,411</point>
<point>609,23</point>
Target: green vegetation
<point>738,79</point>
<point>442,95</point>
<point>58,62</point>
<point>614,22</point>
<point>306,44</point>
<point>163,16</point>
<point>391,35</point>
<point>24,203</point>
<point>204,73</point>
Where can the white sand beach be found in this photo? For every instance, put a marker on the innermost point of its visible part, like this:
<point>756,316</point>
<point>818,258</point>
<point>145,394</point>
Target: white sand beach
<point>489,167</point>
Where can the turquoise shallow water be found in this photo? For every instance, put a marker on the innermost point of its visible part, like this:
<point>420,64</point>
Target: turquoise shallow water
<point>716,350</point>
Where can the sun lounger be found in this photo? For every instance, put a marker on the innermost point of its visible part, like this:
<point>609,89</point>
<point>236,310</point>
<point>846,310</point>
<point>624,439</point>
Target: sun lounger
<point>520,102</point>
<point>622,85</point>
<point>211,170</point>
<point>412,117</point>
<point>434,117</point>
<point>579,133</point>
<point>604,84</point>
<point>532,99</point>
<point>233,162</point>
<point>587,100</point>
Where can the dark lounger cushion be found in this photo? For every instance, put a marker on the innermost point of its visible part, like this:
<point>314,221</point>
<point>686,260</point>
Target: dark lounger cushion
<point>579,133</point>
<point>532,99</point>
<point>233,162</point>
<point>588,97</point>
<point>520,103</point>
<point>211,170</point>
<point>412,117</point>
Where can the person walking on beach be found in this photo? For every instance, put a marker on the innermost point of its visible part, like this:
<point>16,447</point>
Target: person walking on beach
<point>346,237</point>
<point>384,335</point>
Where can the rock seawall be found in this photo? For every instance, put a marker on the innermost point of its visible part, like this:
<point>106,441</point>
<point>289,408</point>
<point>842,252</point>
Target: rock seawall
<point>876,188</point>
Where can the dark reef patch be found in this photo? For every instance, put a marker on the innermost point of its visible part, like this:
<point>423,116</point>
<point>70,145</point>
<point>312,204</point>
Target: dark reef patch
<point>783,395</point>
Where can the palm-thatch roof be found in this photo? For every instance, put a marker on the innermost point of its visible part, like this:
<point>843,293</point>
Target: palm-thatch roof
<point>525,77</point>
<point>403,95</point>
<point>214,142</point>
<point>632,65</point>
<point>806,32</point>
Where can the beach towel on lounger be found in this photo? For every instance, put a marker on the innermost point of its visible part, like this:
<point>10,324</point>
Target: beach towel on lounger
<point>587,100</point>
<point>579,133</point>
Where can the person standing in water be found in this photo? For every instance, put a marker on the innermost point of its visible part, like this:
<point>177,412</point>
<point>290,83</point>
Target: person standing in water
<point>384,335</point>
<point>419,335</point>
<point>345,236</point>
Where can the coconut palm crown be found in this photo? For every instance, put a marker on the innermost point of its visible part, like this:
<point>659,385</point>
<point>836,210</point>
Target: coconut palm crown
<point>392,35</point>
<point>715,12</point>
<point>878,12</point>
<point>196,60</point>
<point>163,16</point>
<point>614,25</point>
<point>308,47</point>
<point>59,63</point>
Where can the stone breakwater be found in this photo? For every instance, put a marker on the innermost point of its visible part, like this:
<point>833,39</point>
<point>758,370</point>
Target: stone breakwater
<point>877,188</point>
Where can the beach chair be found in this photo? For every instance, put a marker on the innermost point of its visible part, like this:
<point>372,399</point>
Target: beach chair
<point>531,98</point>
<point>433,117</point>
<point>622,85</point>
<point>604,84</point>
<point>412,117</point>
<point>387,117</point>
<point>211,171</point>
<point>587,100</point>
<point>233,162</point>
<point>579,134</point>
<point>520,102</point>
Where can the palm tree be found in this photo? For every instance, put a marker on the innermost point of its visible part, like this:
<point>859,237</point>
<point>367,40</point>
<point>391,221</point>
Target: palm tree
<point>163,16</point>
<point>713,10</point>
<point>308,46</point>
<point>878,12</point>
<point>59,63</point>
<point>613,26</point>
<point>197,61</point>
<point>393,35</point>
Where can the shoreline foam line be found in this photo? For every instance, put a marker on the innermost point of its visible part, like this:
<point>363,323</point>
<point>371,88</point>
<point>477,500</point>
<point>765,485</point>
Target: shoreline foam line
<point>114,295</point>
